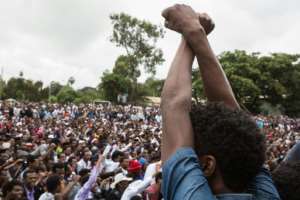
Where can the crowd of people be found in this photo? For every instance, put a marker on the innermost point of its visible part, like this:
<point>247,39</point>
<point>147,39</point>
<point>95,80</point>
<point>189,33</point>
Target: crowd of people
<point>282,133</point>
<point>55,149</point>
<point>50,150</point>
<point>176,151</point>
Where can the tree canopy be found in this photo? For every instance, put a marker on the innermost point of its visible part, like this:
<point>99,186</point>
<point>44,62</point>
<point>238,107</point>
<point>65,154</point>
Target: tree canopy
<point>138,38</point>
<point>257,79</point>
<point>261,83</point>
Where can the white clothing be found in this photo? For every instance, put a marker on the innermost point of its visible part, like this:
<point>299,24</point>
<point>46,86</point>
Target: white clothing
<point>83,165</point>
<point>47,196</point>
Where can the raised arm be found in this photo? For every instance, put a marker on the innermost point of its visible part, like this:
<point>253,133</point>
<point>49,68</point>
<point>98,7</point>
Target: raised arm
<point>183,19</point>
<point>216,86</point>
<point>176,103</point>
<point>86,188</point>
<point>177,91</point>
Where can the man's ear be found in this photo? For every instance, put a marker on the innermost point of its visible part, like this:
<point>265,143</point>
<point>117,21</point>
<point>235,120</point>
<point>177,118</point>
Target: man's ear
<point>208,163</point>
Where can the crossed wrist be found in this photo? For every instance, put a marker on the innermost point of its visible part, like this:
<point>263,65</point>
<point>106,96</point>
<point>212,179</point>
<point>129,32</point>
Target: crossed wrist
<point>197,40</point>
<point>191,28</point>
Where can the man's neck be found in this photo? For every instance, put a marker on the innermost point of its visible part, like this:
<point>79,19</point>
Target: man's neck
<point>224,190</point>
<point>217,186</point>
<point>29,187</point>
<point>220,188</point>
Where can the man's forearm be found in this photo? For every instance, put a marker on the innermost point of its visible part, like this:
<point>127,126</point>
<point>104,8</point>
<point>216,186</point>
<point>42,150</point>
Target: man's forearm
<point>217,87</point>
<point>176,103</point>
<point>178,87</point>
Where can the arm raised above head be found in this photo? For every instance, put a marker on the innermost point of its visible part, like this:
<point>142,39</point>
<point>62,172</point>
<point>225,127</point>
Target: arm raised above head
<point>176,103</point>
<point>216,85</point>
<point>194,27</point>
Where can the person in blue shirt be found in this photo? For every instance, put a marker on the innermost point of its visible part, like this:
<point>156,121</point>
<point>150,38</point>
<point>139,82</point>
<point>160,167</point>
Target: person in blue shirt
<point>287,175</point>
<point>214,151</point>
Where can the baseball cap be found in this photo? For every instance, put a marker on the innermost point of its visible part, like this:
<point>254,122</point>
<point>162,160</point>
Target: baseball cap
<point>134,166</point>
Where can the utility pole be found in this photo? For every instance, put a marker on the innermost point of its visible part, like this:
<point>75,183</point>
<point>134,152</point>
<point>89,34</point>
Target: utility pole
<point>1,83</point>
<point>50,88</point>
<point>49,95</point>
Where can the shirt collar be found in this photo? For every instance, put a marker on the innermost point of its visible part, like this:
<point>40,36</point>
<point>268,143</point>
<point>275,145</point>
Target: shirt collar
<point>243,196</point>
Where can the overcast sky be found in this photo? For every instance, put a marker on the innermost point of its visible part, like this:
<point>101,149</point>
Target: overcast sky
<point>55,39</point>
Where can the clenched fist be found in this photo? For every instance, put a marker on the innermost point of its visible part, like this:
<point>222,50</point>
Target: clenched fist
<point>182,18</point>
<point>206,22</point>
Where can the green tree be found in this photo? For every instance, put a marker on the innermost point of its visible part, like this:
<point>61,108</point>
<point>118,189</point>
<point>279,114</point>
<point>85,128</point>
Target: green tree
<point>123,67</point>
<point>257,79</point>
<point>55,88</point>
<point>14,88</point>
<point>242,72</point>
<point>53,99</point>
<point>113,84</point>
<point>138,38</point>
<point>197,86</point>
<point>153,87</point>
<point>284,70</point>
<point>66,94</point>
<point>87,95</point>
<point>30,92</point>
<point>24,89</point>
<point>2,86</point>
<point>44,94</point>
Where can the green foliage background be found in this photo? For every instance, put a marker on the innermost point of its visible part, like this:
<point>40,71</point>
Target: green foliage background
<point>262,83</point>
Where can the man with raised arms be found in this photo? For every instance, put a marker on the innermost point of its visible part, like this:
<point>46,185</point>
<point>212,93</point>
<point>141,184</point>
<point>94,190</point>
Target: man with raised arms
<point>213,151</point>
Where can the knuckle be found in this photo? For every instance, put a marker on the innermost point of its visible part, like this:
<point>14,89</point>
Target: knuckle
<point>205,14</point>
<point>202,16</point>
<point>177,6</point>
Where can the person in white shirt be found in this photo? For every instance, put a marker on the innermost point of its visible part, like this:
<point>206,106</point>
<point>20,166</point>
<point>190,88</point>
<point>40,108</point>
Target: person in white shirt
<point>113,163</point>
<point>124,162</point>
<point>85,162</point>
<point>138,186</point>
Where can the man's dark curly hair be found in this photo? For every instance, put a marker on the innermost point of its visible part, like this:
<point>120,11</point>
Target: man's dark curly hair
<point>287,180</point>
<point>233,138</point>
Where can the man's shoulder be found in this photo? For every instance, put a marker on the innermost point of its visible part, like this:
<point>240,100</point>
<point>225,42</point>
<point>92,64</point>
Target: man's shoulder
<point>81,161</point>
<point>183,177</point>
<point>47,196</point>
<point>263,187</point>
<point>180,154</point>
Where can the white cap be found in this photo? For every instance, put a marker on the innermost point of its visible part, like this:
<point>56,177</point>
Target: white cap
<point>51,136</point>
<point>5,145</point>
<point>119,178</point>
